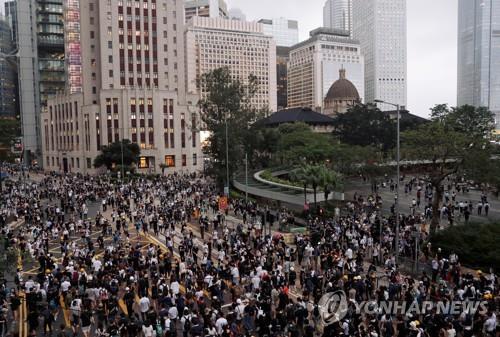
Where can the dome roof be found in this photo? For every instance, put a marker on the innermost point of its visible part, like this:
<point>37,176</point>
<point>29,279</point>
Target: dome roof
<point>342,89</point>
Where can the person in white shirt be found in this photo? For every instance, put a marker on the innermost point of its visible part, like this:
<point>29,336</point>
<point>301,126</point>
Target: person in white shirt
<point>220,324</point>
<point>175,287</point>
<point>147,329</point>
<point>490,325</point>
<point>144,304</point>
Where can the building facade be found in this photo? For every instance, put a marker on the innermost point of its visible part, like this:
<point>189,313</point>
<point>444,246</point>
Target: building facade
<point>240,46</point>
<point>237,14</point>
<point>337,14</point>
<point>341,96</point>
<point>8,83</point>
<point>10,12</point>
<point>40,36</point>
<point>380,27</point>
<point>282,58</point>
<point>285,32</point>
<point>314,66</point>
<point>479,54</point>
<point>205,8</point>
<point>125,81</point>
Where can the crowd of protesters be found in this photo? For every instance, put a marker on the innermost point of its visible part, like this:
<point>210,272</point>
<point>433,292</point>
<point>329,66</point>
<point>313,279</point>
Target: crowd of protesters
<point>159,258</point>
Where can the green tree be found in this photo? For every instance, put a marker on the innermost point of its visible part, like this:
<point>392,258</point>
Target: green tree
<point>300,175</point>
<point>111,155</point>
<point>298,143</point>
<point>366,125</point>
<point>330,182</point>
<point>448,148</point>
<point>227,100</point>
<point>11,129</point>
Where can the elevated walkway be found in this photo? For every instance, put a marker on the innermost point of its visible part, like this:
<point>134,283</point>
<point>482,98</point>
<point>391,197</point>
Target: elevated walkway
<point>259,187</point>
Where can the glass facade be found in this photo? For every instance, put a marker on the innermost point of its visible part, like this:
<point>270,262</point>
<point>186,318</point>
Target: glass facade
<point>338,14</point>
<point>285,32</point>
<point>7,73</point>
<point>479,54</point>
<point>50,38</point>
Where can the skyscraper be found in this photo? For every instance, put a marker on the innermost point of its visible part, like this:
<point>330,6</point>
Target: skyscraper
<point>380,27</point>
<point>338,14</point>
<point>125,81</point>
<point>285,32</point>
<point>205,8</point>
<point>7,72</point>
<point>11,15</point>
<point>240,46</point>
<point>40,33</point>
<point>479,54</point>
<point>237,14</point>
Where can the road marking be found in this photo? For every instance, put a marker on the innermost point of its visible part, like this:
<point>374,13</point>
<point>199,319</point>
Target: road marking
<point>65,311</point>
<point>22,324</point>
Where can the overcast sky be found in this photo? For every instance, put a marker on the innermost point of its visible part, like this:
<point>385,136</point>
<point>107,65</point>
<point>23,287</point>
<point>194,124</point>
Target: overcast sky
<point>432,42</point>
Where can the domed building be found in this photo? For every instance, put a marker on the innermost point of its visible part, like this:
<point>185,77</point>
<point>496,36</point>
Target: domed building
<point>341,95</point>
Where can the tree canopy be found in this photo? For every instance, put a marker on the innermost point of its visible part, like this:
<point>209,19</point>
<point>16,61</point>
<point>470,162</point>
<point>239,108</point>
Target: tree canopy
<point>227,99</point>
<point>111,155</point>
<point>366,125</point>
<point>447,146</point>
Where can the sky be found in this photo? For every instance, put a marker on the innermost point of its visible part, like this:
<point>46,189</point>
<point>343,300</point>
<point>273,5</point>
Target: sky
<point>432,42</point>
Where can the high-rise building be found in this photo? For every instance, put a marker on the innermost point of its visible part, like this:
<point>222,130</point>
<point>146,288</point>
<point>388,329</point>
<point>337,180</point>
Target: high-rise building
<point>40,36</point>
<point>315,64</point>
<point>338,14</point>
<point>285,32</point>
<point>240,46</point>
<point>282,58</point>
<point>205,8</point>
<point>380,27</point>
<point>125,81</point>
<point>11,15</point>
<point>7,71</point>
<point>237,14</point>
<point>479,54</point>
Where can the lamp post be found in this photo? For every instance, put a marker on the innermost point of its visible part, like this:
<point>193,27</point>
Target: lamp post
<point>227,157</point>
<point>398,171</point>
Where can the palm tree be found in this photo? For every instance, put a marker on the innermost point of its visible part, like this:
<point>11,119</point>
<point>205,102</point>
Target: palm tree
<point>314,177</point>
<point>300,175</point>
<point>331,181</point>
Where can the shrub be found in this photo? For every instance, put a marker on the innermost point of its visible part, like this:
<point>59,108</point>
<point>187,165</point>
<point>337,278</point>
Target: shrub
<point>477,245</point>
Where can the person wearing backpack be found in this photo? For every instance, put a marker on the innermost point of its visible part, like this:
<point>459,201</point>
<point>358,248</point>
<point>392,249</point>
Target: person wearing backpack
<point>186,322</point>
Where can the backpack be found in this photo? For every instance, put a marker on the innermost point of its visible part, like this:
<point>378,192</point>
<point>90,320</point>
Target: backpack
<point>187,323</point>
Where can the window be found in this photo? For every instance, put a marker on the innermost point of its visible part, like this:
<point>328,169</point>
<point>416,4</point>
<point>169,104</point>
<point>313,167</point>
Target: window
<point>143,162</point>
<point>110,44</point>
<point>184,160</point>
<point>110,59</point>
<point>195,159</point>
<point>89,163</point>
<point>92,34</point>
<point>111,73</point>
<point>170,161</point>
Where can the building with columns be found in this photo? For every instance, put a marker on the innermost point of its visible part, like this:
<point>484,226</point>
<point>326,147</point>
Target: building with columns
<point>125,80</point>
<point>240,46</point>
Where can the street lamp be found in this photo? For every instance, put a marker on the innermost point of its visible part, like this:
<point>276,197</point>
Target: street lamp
<point>398,170</point>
